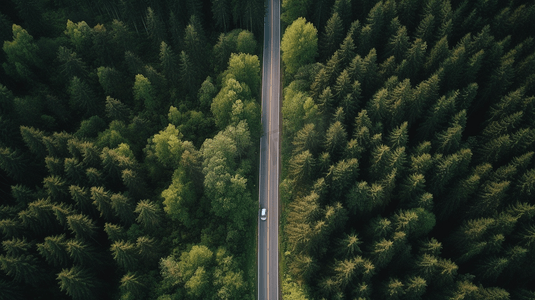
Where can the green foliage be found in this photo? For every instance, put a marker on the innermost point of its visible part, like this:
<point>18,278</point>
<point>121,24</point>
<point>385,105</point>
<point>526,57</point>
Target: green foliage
<point>221,107</point>
<point>299,45</point>
<point>22,268</point>
<point>144,92</point>
<point>77,283</point>
<point>180,199</point>
<point>244,68</point>
<point>21,54</point>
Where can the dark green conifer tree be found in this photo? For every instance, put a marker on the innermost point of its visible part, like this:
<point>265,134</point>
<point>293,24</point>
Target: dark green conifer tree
<point>13,163</point>
<point>54,250</point>
<point>332,36</point>
<point>114,232</point>
<point>22,268</point>
<point>77,282</point>
<point>80,225</point>
<point>124,253</point>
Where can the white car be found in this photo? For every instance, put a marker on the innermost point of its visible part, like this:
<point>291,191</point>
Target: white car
<point>263,214</point>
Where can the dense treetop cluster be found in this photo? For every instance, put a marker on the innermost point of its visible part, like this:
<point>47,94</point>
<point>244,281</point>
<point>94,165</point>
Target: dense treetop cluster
<point>127,149</point>
<point>408,150</point>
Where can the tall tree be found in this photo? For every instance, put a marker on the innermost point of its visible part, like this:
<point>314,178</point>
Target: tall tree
<point>221,13</point>
<point>21,55</point>
<point>333,35</point>
<point>23,268</point>
<point>54,250</point>
<point>77,282</point>
<point>295,56</point>
<point>125,254</point>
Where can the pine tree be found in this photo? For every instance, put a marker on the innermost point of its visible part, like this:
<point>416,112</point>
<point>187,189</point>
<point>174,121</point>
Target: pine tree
<point>413,61</point>
<point>39,216</point>
<point>336,140</point>
<point>80,225</point>
<point>348,246</point>
<point>90,154</point>
<point>399,136</point>
<point>303,266</point>
<point>495,149</point>
<point>55,166</point>
<point>71,64</point>
<point>473,66</point>
<point>13,163</point>
<point>195,44</point>
<point>168,63</point>
<point>454,66</point>
<point>370,79</point>
<point>413,187</point>
<point>459,195</point>
<point>221,13</point>
<point>438,54</point>
<point>149,214</point>
<point>340,176</point>
<point>398,44</point>
<point>438,115</point>
<point>116,110</point>
<point>62,210</point>
<point>426,266</point>
<point>447,271</point>
<point>526,184</point>
<point>393,289</point>
<point>449,140</point>
<point>11,227</point>
<point>34,140</point>
<point>54,250</point>
<point>427,28</point>
<point>22,268</point>
<point>155,27</point>
<point>77,282</point>
<point>22,194</point>
<point>415,287</point>
<point>81,198</point>
<point>333,35</point>
<point>502,126</point>
<point>124,254</point>
<point>147,248</point>
<point>490,198</point>
<point>132,284</point>
<point>102,201</point>
<point>448,167</point>
<point>114,232</point>
<point>82,96</point>
<point>74,170</point>
<point>123,208</point>
<point>494,293</point>
<point>492,268</point>
<point>306,139</point>
<point>415,222</point>
<point>114,161</point>
<point>301,167</point>
<point>16,246</point>
<point>188,75</point>
<point>423,95</point>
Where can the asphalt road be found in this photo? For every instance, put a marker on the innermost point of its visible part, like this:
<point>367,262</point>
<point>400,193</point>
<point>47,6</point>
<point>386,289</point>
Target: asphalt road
<point>268,231</point>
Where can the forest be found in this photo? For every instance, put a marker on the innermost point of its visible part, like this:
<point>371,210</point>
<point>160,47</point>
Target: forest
<point>408,149</point>
<point>128,148</point>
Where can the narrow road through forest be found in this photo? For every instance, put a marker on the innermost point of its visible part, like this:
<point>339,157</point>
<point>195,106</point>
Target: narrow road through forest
<point>268,230</point>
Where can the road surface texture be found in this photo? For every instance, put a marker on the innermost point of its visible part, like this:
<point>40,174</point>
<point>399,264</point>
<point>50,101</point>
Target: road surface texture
<point>268,231</point>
